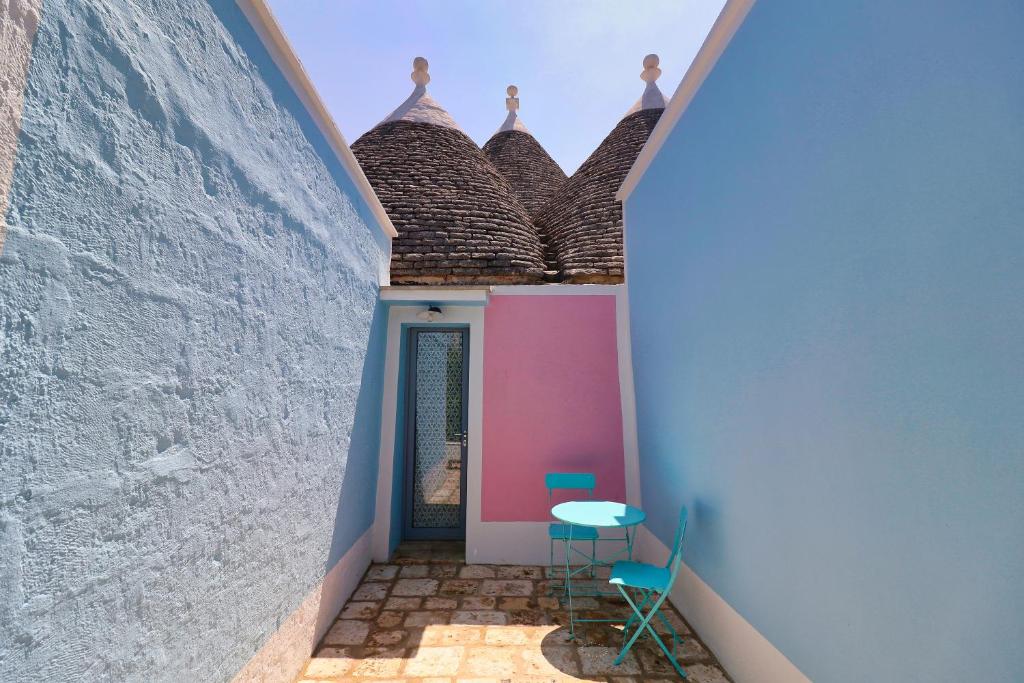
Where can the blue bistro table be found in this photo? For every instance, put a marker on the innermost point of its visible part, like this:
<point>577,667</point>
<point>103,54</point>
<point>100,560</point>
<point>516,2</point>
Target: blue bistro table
<point>594,513</point>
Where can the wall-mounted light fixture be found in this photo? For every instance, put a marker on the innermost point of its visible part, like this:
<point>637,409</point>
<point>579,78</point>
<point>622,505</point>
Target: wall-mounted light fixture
<point>431,315</point>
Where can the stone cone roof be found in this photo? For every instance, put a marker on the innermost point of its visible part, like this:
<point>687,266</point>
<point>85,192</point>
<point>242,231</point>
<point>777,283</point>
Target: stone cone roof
<point>518,156</point>
<point>583,222</point>
<point>458,219</point>
<point>532,173</point>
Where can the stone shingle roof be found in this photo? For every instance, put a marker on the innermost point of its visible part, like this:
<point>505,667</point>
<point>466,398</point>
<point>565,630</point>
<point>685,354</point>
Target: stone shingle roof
<point>458,219</point>
<point>583,221</point>
<point>531,172</point>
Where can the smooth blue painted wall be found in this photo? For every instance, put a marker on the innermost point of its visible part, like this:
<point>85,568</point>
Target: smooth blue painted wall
<point>826,281</point>
<point>192,350</point>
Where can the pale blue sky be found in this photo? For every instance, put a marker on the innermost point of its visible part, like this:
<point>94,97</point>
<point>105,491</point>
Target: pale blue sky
<point>577,63</point>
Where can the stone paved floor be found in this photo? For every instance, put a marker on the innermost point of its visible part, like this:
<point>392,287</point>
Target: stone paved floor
<point>428,616</point>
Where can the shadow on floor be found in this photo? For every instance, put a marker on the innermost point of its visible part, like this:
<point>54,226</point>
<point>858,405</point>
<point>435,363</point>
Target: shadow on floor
<point>427,614</point>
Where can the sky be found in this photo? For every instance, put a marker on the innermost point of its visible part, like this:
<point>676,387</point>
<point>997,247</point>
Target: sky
<point>577,63</point>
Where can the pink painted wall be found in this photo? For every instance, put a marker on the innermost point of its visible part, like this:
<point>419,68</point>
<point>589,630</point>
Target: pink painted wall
<point>551,401</point>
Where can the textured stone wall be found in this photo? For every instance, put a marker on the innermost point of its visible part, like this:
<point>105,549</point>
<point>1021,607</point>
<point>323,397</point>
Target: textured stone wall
<point>190,355</point>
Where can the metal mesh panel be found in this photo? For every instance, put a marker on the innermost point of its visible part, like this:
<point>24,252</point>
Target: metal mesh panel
<point>438,457</point>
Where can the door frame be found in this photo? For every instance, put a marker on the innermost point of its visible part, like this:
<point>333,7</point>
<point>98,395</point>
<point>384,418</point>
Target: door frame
<point>409,532</point>
<point>404,309</point>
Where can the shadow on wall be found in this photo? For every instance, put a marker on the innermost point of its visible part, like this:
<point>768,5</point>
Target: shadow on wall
<point>706,516</point>
<point>359,481</point>
<point>300,628</point>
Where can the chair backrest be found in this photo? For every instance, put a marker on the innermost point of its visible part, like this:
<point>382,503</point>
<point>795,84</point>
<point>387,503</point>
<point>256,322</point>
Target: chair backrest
<point>676,557</point>
<point>570,480</point>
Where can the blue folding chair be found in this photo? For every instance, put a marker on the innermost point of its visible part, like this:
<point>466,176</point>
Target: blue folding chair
<point>559,532</point>
<point>648,580</point>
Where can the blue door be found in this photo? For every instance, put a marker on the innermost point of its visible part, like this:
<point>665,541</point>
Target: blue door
<point>436,422</point>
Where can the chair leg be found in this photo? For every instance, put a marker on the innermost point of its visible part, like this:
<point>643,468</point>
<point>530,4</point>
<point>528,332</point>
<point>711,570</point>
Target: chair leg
<point>555,569</point>
<point>672,630</point>
<point>645,624</point>
<point>593,557</point>
<point>637,614</point>
<point>551,562</point>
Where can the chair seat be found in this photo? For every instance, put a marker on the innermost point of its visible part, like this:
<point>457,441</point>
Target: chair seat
<point>560,532</point>
<point>640,575</point>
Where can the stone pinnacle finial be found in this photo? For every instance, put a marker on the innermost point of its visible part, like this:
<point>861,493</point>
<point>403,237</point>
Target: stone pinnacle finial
<point>419,73</point>
<point>651,70</point>
<point>512,102</point>
<point>652,97</point>
<point>512,121</point>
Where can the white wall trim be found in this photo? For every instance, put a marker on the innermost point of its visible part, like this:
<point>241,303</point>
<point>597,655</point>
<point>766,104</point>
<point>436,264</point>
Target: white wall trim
<point>386,455</point>
<point>724,28</point>
<point>528,543</point>
<point>434,294</point>
<point>453,315</point>
<point>627,395</point>
<point>281,51</point>
<point>285,653</point>
<point>511,543</point>
<point>746,654</point>
<point>556,290</point>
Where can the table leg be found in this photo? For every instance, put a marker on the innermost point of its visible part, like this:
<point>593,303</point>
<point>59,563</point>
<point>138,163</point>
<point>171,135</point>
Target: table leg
<point>568,582</point>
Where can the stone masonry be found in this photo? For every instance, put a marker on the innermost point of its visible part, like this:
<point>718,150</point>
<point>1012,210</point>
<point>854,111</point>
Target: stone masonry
<point>428,616</point>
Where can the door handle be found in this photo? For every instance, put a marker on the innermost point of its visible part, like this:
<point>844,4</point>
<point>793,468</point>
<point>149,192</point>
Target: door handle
<point>465,439</point>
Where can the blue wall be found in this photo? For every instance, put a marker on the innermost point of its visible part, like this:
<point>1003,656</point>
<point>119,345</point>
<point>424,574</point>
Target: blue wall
<point>826,279</point>
<point>192,350</point>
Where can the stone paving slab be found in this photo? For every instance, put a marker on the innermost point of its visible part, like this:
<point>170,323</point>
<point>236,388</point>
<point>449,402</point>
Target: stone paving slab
<point>428,617</point>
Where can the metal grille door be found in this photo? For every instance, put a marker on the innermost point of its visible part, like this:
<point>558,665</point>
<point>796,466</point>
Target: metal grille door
<point>437,426</point>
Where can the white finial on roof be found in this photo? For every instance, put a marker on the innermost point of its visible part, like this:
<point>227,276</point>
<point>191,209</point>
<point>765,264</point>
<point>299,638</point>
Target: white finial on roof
<point>512,121</point>
<point>651,70</point>
<point>420,107</point>
<point>419,73</point>
<point>512,102</point>
<point>652,97</point>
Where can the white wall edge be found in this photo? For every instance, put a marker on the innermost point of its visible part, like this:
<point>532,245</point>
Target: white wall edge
<point>386,455</point>
<point>284,655</point>
<point>281,51</point>
<point>475,531</point>
<point>527,543</point>
<point>746,654</point>
<point>473,316</point>
<point>510,543</point>
<point>724,28</point>
<point>435,295</point>
<point>627,396</point>
<point>555,290</point>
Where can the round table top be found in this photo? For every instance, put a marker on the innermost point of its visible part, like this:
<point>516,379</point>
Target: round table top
<point>603,513</point>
